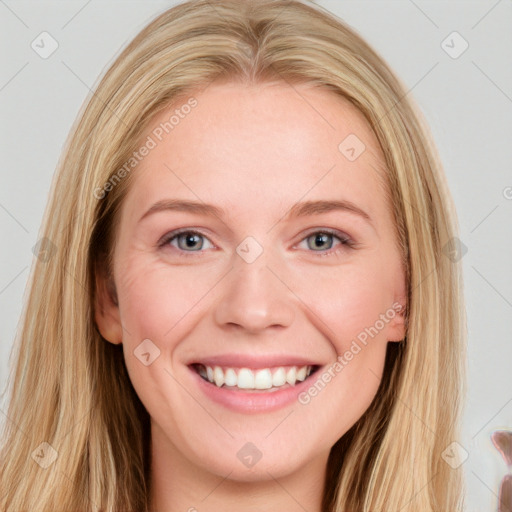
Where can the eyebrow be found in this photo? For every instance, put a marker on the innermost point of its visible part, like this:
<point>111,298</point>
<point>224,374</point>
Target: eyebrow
<point>301,209</point>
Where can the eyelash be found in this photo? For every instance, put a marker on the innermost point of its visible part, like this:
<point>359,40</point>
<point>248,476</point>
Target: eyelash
<point>346,242</point>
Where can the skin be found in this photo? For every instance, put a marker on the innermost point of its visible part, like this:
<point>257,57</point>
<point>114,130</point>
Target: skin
<point>254,150</point>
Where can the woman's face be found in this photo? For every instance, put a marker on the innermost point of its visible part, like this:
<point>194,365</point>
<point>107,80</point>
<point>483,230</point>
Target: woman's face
<point>247,272</point>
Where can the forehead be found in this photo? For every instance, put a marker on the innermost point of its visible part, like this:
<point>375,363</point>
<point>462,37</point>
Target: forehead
<point>240,143</point>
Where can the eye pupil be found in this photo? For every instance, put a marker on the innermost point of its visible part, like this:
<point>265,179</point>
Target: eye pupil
<point>191,239</point>
<point>322,238</point>
<point>318,242</point>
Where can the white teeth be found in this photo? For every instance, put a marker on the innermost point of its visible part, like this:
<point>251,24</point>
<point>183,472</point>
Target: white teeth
<point>245,378</point>
<point>279,377</point>
<point>263,379</point>
<point>291,376</point>
<point>301,373</point>
<point>230,378</point>
<point>203,372</point>
<point>218,376</point>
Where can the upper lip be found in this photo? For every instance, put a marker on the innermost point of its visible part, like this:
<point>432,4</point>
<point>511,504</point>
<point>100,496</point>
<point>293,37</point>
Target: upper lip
<point>253,361</point>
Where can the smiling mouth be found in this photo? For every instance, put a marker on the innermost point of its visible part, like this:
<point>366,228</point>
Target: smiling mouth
<point>247,379</point>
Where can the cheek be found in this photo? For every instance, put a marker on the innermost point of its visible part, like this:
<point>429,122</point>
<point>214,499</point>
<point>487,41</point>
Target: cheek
<point>347,299</point>
<point>160,304</point>
<point>165,304</point>
<point>155,299</point>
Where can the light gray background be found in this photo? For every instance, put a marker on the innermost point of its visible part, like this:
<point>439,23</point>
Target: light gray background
<point>467,101</point>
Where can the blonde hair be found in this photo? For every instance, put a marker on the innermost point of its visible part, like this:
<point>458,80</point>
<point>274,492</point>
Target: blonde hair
<point>70,388</point>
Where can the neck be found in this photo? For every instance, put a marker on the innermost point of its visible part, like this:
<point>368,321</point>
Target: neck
<point>179,485</point>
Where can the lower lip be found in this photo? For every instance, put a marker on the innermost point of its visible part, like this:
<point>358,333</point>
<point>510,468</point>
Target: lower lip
<point>251,402</point>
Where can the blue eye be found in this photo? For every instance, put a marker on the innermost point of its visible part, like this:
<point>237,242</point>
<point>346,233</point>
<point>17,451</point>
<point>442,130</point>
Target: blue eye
<point>322,241</point>
<point>188,241</point>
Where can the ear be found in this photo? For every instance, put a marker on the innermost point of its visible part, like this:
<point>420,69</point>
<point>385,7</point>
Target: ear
<point>397,326</point>
<point>106,309</point>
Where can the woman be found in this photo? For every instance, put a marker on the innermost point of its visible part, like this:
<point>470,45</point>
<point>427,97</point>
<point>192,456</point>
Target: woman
<point>185,345</point>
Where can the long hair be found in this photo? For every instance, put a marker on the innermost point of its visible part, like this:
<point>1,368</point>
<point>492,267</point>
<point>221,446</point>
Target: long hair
<point>77,436</point>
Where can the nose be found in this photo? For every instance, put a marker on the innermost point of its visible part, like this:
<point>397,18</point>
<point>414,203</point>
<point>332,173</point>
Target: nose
<point>254,297</point>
